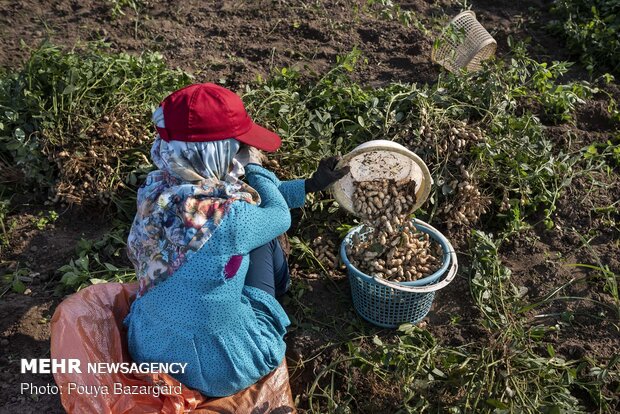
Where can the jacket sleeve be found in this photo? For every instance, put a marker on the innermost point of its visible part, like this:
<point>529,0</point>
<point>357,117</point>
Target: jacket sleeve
<point>294,192</point>
<point>252,225</point>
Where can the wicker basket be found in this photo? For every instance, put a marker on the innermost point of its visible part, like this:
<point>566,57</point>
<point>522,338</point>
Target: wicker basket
<point>389,304</point>
<point>463,44</point>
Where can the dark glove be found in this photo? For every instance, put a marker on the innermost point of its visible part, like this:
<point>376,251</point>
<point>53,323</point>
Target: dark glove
<point>325,175</point>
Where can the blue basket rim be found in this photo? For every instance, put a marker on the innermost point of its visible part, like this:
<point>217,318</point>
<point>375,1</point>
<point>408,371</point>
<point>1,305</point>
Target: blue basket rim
<point>420,225</point>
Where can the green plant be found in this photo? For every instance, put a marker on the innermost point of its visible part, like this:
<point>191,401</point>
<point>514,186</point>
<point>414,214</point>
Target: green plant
<point>388,10</point>
<point>43,220</point>
<point>603,272</point>
<point>15,280</point>
<point>304,252</point>
<point>117,6</point>
<point>138,7</point>
<point>500,139</point>
<point>98,261</point>
<point>500,376</point>
<point>591,31</point>
<point>513,369</point>
<point>608,151</point>
<point>76,122</point>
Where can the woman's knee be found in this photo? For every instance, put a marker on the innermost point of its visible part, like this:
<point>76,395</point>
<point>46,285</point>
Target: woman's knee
<point>268,269</point>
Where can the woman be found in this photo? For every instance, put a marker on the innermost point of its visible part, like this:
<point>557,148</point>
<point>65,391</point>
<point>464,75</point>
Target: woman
<point>204,244</point>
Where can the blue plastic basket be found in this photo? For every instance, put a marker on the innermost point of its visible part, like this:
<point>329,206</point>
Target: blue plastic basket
<point>389,304</point>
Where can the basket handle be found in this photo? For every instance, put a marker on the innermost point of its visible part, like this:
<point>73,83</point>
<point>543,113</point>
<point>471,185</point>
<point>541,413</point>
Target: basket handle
<point>454,266</point>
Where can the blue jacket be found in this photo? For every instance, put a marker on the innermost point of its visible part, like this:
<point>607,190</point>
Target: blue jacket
<point>231,335</point>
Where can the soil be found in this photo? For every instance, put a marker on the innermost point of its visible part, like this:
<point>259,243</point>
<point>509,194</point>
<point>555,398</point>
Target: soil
<point>235,42</point>
<point>24,326</point>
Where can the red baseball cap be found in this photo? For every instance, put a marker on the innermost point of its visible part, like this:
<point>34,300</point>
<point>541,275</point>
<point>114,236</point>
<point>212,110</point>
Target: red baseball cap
<point>208,112</point>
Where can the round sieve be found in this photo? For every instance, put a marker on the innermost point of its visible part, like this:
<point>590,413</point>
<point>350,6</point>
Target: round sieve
<point>381,159</point>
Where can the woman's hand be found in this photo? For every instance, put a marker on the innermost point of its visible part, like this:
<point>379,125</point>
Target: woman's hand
<point>325,175</point>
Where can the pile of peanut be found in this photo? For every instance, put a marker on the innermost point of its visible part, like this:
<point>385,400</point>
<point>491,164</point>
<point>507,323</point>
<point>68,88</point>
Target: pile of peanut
<point>95,167</point>
<point>468,203</point>
<point>323,251</point>
<point>389,245</point>
<point>452,141</point>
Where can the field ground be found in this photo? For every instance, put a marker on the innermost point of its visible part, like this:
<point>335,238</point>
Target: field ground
<point>566,261</point>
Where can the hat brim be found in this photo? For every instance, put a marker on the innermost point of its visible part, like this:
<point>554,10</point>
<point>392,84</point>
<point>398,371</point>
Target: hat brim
<point>261,138</point>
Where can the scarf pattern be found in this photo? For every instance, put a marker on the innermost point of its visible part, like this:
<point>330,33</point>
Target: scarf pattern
<point>174,221</point>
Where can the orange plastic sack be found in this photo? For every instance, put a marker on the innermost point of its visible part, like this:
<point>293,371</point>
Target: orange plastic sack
<point>88,326</point>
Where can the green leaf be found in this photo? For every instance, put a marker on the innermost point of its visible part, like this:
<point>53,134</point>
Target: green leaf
<point>111,267</point>
<point>69,89</point>
<point>19,134</point>
<point>18,286</point>
<point>66,268</point>
<point>497,404</point>
<point>70,279</point>
<point>438,373</point>
<point>82,263</point>
<point>68,275</point>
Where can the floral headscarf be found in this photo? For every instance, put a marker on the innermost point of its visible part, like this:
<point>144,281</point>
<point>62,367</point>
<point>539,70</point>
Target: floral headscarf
<point>182,203</point>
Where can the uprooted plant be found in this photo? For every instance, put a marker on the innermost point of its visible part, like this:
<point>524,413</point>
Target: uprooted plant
<point>76,123</point>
